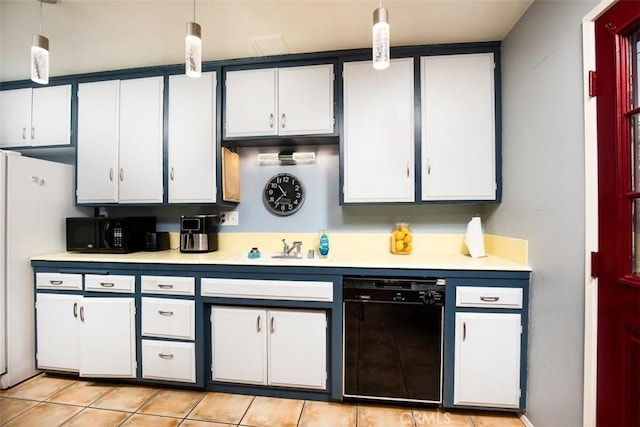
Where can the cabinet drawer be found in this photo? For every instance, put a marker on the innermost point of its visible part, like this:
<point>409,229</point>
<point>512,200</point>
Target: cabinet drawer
<point>268,289</point>
<point>168,285</point>
<point>58,281</point>
<point>109,283</point>
<point>168,318</point>
<point>490,297</point>
<point>170,361</point>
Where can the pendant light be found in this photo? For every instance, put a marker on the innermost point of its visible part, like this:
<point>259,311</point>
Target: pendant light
<point>40,56</point>
<point>380,38</point>
<point>193,47</point>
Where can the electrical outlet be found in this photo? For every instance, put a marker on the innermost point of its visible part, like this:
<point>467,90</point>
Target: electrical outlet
<point>229,218</point>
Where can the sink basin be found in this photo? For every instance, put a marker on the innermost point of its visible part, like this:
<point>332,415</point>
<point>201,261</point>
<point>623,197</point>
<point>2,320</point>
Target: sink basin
<point>277,257</point>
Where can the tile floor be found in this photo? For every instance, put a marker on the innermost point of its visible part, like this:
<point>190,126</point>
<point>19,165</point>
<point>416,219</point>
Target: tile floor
<point>47,400</point>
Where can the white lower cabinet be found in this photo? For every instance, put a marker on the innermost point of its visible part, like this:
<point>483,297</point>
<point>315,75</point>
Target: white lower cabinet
<point>487,359</point>
<point>169,319</point>
<point>108,338</point>
<point>269,347</point>
<point>92,336</point>
<point>169,361</point>
<point>58,332</point>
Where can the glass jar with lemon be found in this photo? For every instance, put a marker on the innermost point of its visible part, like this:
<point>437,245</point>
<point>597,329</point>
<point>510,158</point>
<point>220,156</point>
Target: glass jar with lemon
<point>401,239</point>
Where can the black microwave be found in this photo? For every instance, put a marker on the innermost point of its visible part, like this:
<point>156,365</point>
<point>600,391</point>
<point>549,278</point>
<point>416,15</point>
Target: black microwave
<point>117,235</point>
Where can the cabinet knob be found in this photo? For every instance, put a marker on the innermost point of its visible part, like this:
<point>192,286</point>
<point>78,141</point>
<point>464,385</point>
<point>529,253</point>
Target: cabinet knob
<point>75,310</point>
<point>111,174</point>
<point>171,173</point>
<point>271,120</point>
<point>121,174</point>
<point>82,314</point>
<point>258,328</point>
<point>273,324</point>
<point>24,133</point>
<point>33,133</point>
<point>283,121</point>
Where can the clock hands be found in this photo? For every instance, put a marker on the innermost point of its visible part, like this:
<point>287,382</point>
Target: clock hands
<point>284,193</point>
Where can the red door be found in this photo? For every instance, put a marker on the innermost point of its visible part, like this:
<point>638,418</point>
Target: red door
<point>618,104</point>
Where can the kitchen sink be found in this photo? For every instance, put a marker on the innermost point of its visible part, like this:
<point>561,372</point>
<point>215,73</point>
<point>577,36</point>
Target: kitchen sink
<point>277,257</point>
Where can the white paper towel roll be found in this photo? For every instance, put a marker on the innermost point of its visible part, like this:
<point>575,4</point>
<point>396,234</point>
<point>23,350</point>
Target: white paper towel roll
<point>474,239</point>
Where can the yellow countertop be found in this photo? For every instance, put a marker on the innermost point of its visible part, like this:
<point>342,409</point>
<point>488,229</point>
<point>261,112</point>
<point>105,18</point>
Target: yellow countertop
<point>350,252</point>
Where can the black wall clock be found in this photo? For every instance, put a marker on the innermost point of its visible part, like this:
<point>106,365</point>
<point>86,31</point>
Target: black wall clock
<point>283,195</point>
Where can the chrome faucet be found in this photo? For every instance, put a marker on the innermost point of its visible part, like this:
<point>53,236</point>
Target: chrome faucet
<point>286,249</point>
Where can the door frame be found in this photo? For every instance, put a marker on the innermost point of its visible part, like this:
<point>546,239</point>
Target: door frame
<point>591,215</point>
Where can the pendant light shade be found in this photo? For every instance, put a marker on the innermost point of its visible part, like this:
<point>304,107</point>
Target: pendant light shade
<point>380,38</point>
<point>40,56</point>
<point>40,59</point>
<point>193,50</point>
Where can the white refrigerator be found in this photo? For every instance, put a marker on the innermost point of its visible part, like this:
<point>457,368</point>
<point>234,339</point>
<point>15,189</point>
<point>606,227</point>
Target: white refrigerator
<point>35,198</point>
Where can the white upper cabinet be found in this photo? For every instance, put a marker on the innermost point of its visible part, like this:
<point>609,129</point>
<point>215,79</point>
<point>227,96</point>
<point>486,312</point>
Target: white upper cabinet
<point>192,139</point>
<point>378,138</point>
<point>284,101</point>
<point>458,127</point>
<point>35,117</point>
<point>119,153</point>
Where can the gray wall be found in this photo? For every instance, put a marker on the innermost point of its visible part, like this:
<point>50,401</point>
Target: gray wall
<point>543,201</point>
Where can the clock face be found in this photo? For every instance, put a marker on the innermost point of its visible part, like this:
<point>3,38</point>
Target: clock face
<point>283,195</point>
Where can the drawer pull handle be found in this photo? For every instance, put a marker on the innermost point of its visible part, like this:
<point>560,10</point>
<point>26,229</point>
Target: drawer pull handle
<point>165,286</point>
<point>82,314</point>
<point>165,313</point>
<point>258,328</point>
<point>273,325</point>
<point>75,310</point>
<point>464,331</point>
<point>167,356</point>
<point>489,299</point>
<point>56,282</point>
<point>107,284</point>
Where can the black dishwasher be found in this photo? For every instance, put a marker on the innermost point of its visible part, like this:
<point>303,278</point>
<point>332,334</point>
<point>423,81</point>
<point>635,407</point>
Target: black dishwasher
<point>393,338</point>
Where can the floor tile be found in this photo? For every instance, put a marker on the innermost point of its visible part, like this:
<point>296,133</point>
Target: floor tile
<point>325,414</point>
<point>97,418</point>
<point>221,407</point>
<point>384,416</point>
<point>196,423</point>
<point>44,414</point>
<point>434,417</point>
<point>11,408</point>
<point>496,420</point>
<point>139,420</point>
<point>172,403</point>
<point>81,393</point>
<point>125,398</point>
<point>271,411</point>
<point>39,388</point>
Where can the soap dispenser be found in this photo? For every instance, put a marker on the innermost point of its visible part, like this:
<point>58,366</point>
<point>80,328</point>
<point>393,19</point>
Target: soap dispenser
<point>323,244</point>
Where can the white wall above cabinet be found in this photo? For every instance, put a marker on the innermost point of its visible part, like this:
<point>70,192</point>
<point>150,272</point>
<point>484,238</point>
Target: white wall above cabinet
<point>119,153</point>
<point>458,127</point>
<point>192,139</point>
<point>284,101</point>
<point>35,117</point>
<point>378,139</point>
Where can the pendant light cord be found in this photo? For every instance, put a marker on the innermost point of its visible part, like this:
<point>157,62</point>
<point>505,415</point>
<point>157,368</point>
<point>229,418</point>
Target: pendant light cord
<point>194,10</point>
<point>41,17</point>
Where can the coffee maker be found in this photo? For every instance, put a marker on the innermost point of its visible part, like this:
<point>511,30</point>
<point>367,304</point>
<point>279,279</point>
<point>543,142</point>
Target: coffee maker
<point>199,233</point>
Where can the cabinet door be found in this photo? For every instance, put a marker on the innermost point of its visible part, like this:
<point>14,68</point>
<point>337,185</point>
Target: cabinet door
<point>239,341</point>
<point>15,117</point>
<point>192,139</point>
<point>297,348</point>
<point>250,103</point>
<point>58,331</point>
<point>305,100</point>
<point>140,156</point>
<point>487,360</point>
<point>97,150</point>
<point>458,127</point>
<point>378,152</point>
<point>51,116</point>
<point>107,345</point>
